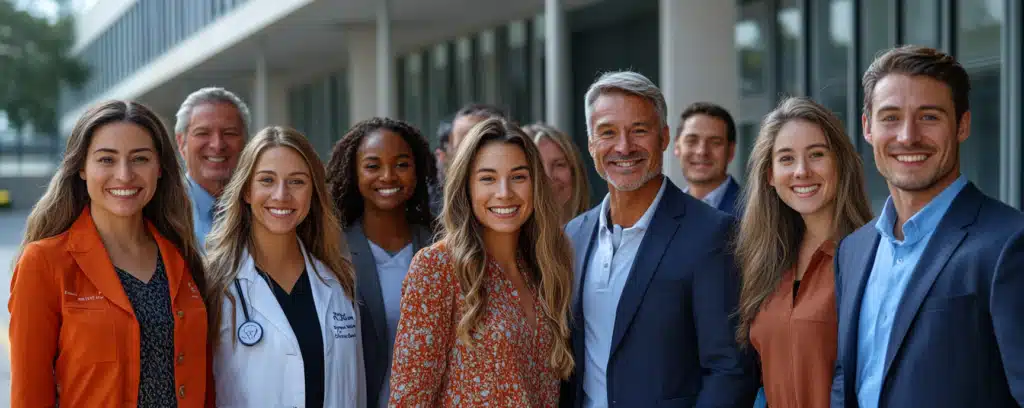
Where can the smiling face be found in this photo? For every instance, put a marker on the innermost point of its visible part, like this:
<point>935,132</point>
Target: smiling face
<point>704,150</point>
<point>501,188</point>
<point>280,191</point>
<point>212,143</point>
<point>914,134</point>
<point>558,170</point>
<point>627,141</point>
<point>121,169</point>
<point>386,171</point>
<point>804,168</point>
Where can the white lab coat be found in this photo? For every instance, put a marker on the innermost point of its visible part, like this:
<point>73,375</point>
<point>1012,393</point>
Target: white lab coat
<point>270,373</point>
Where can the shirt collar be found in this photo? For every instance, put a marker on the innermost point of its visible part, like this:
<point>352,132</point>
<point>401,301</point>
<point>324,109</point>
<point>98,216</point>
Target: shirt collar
<point>644,220</point>
<point>926,220</point>
<point>201,199</point>
<point>714,198</point>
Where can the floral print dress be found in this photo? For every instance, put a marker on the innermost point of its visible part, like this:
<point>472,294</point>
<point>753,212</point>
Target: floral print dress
<point>507,366</point>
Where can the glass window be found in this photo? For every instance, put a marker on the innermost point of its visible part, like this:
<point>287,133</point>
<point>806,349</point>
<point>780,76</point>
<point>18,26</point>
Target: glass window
<point>440,86</point>
<point>791,32</point>
<point>517,72</point>
<point>978,44</point>
<point>488,67</point>
<point>538,75</point>
<point>413,101</point>
<point>921,23</point>
<point>833,37</point>
<point>465,71</point>
<point>877,34</point>
<point>753,49</point>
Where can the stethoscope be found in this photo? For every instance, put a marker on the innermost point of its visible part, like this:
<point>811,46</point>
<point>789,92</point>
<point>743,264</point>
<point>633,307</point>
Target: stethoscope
<point>249,332</point>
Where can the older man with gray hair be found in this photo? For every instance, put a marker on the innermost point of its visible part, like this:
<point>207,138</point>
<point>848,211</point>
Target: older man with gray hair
<point>211,128</point>
<point>655,280</point>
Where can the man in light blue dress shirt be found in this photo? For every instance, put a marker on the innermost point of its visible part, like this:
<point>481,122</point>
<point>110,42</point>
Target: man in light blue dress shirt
<point>210,128</point>
<point>655,282</point>
<point>705,144</point>
<point>929,295</point>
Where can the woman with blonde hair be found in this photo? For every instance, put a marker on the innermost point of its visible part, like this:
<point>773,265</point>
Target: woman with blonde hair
<point>805,191</point>
<point>563,165</point>
<point>105,299</point>
<point>284,326</point>
<point>484,312</point>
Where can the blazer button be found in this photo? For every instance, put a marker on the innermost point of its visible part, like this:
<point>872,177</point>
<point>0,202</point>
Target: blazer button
<point>181,314</point>
<point>181,391</point>
<point>181,358</point>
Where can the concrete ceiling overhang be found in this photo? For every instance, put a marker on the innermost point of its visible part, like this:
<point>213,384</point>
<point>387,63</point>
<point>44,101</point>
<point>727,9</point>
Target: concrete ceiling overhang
<point>312,40</point>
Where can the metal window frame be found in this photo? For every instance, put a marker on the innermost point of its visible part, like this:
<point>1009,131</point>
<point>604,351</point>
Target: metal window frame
<point>1012,104</point>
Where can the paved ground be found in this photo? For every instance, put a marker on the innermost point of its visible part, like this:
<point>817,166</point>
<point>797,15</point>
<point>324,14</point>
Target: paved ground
<point>12,227</point>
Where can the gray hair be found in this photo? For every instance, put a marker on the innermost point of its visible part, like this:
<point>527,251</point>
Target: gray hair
<point>210,95</point>
<point>627,82</point>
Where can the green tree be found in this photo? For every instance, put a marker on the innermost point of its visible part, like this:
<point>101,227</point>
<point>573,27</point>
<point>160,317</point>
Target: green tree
<point>35,63</point>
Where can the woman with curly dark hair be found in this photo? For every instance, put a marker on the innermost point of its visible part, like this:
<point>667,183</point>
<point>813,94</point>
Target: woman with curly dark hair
<point>378,175</point>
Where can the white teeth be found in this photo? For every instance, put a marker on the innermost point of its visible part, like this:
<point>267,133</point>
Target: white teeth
<point>388,191</point>
<point>626,163</point>
<point>911,158</point>
<point>805,190</point>
<point>504,210</point>
<point>124,192</point>
<point>278,211</point>
<point>216,159</point>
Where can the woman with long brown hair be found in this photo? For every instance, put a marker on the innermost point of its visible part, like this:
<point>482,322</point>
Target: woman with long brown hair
<point>805,191</point>
<point>284,325</point>
<point>563,165</point>
<point>484,312</point>
<point>105,299</point>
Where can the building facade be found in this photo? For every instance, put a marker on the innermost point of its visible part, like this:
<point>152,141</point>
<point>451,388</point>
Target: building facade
<point>322,65</point>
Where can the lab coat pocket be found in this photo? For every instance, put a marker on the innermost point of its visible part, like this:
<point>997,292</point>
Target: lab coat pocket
<point>87,335</point>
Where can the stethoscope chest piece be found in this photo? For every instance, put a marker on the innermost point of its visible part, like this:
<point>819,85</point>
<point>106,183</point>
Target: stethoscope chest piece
<point>250,333</point>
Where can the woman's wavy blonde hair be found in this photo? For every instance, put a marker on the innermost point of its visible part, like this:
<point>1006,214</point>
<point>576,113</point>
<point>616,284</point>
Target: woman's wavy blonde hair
<point>580,199</point>
<point>770,231</point>
<point>231,235</point>
<point>542,244</point>
<point>170,209</point>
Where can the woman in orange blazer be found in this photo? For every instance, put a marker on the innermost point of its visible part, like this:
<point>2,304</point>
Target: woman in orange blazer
<point>106,298</point>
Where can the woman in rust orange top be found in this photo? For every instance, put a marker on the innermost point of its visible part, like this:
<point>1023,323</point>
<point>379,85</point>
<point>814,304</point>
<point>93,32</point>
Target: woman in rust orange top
<point>106,298</point>
<point>805,191</point>
<point>484,312</point>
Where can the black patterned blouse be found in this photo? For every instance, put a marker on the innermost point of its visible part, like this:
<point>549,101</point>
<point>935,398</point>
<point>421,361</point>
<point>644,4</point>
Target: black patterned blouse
<point>152,304</point>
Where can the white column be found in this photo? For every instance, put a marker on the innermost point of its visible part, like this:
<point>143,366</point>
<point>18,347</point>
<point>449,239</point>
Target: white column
<point>698,62</point>
<point>556,66</point>
<point>362,73</point>
<point>385,61</point>
<point>260,96</point>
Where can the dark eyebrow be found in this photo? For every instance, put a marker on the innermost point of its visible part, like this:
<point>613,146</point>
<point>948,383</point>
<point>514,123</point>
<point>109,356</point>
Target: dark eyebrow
<point>523,167</point>
<point>919,108</point>
<point>114,151</point>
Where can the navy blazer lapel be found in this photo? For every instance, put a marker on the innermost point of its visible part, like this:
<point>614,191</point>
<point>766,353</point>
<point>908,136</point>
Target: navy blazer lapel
<point>583,241</point>
<point>366,278</point>
<point>656,239</point>
<point>728,203</point>
<point>944,241</point>
<point>862,246</point>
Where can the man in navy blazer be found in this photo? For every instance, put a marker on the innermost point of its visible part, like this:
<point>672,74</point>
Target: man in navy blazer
<point>931,312</point>
<point>655,281</point>
<point>705,144</point>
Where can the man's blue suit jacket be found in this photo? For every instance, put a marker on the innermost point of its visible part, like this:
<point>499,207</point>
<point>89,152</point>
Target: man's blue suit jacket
<point>958,335</point>
<point>731,202</point>
<point>673,341</point>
